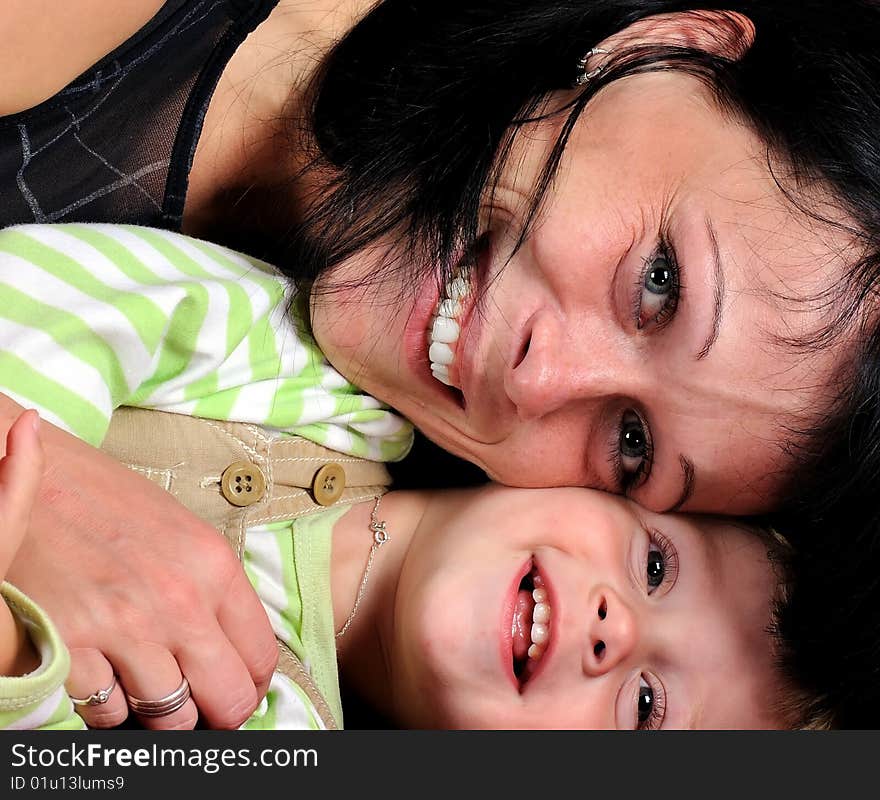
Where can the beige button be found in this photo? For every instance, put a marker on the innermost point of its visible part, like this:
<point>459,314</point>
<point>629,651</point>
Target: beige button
<point>243,483</point>
<point>328,484</point>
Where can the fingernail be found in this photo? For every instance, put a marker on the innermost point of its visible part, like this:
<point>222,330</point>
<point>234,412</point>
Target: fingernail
<point>35,421</point>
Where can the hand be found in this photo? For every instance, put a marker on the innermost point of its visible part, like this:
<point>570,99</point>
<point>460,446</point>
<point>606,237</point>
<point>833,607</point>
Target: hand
<point>140,588</point>
<point>21,470</point>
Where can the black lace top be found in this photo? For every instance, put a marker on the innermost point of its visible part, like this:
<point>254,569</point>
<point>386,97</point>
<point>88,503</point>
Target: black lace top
<point>116,144</point>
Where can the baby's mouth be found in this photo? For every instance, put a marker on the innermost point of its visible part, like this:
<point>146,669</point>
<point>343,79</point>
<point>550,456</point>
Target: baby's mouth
<point>445,328</point>
<point>530,627</point>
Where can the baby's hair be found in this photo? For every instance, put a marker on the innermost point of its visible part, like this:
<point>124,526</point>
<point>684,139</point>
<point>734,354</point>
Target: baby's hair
<point>795,703</point>
<point>827,622</point>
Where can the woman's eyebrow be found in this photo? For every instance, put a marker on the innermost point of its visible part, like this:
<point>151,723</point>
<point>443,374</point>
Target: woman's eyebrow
<point>718,292</point>
<point>687,489</point>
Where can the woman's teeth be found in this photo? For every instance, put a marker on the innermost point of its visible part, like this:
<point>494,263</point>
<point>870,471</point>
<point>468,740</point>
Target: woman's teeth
<point>446,329</point>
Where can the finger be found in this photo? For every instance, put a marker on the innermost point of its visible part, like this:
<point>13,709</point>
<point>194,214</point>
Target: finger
<point>90,672</point>
<point>221,684</point>
<point>149,672</point>
<point>21,471</point>
<point>243,619</point>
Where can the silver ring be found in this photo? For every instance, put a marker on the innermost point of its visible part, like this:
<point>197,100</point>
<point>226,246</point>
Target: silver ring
<point>164,705</point>
<point>98,698</point>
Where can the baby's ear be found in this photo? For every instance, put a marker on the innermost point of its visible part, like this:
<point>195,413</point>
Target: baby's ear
<point>728,34</point>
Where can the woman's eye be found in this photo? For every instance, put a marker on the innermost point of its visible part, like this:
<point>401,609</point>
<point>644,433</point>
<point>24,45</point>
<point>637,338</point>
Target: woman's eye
<point>659,290</point>
<point>658,279</point>
<point>634,448</point>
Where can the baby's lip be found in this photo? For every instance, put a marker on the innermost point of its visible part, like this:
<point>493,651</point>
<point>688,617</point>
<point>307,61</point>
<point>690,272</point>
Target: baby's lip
<point>508,624</point>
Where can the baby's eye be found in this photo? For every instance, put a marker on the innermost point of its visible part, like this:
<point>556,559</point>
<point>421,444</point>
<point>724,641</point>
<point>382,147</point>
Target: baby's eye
<point>660,288</point>
<point>650,704</point>
<point>656,568</point>
<point>645,702</point>
<point>661,564</point>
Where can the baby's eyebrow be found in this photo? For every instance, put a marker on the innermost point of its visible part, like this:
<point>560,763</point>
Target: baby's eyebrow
<point>718,292</point>
<point>688,481</point>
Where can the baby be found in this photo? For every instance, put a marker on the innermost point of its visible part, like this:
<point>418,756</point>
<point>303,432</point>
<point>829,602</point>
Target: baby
<point>483,608</point>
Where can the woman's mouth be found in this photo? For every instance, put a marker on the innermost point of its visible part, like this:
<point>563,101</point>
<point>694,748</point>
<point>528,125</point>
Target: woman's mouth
<point>530,626</point>
<point>445,329</point>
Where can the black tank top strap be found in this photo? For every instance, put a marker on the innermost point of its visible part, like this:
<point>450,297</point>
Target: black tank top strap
<point>117,143</point>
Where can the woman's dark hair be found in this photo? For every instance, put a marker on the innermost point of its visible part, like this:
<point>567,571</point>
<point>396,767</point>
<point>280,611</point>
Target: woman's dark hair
<point>413,112</point>
<point>412,117</point>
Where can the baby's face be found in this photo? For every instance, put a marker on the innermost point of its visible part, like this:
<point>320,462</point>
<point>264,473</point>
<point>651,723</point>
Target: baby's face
<point>571,608</point>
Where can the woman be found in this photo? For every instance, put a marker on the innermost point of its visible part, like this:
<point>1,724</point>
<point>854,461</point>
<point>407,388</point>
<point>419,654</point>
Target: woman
<point>653,288</point>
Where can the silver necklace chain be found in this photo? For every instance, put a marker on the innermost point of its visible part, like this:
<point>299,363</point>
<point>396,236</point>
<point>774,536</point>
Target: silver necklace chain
<point>380,536</point>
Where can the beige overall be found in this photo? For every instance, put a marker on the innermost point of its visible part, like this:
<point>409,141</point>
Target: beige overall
<point>235,476</point>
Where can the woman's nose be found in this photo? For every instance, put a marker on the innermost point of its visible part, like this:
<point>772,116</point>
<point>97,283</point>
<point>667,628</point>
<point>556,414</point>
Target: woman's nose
<point>611,633</point>
<point>566,361</point>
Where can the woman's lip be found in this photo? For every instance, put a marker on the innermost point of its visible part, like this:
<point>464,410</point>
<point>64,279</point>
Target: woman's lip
<point>466,347</point>
<point>507,611</point>
<point>415,340</point>
<point>470,326</point>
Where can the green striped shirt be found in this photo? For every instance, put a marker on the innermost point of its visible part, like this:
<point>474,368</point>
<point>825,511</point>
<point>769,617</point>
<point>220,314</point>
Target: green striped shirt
<point>94,317</point>
<point>97,317</point>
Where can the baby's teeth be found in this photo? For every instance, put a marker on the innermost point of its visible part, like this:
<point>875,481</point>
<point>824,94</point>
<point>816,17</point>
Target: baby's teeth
<point>449,308</point>
<point>540,634</point>
<point>441,354</point>
<point>457,289</point>
<point>539,595</point>
<point>539,582</point>
<point>541,613</point>
<point>445,330</point>
<point>535,652</point>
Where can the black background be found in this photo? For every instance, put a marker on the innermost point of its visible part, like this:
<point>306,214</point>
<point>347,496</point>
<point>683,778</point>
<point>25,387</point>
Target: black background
<point>488,765</point>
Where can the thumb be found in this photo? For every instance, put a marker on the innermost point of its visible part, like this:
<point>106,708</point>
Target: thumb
<point>21,471</point>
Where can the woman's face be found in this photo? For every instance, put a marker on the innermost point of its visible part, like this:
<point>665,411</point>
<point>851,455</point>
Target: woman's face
<point>632,343</point>
<point>566,608</point>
